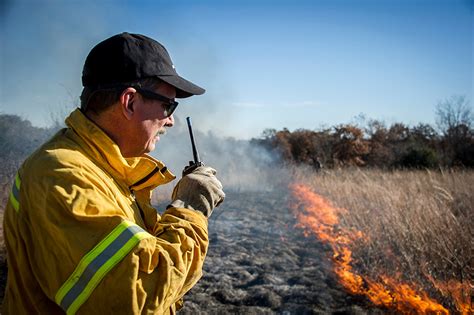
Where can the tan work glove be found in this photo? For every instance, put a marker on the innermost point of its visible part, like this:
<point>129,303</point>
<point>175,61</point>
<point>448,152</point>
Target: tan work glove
<point>199,190</point>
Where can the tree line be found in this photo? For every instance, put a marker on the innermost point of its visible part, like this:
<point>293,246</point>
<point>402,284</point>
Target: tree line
<point>374,144</point>
<point>370,143</point>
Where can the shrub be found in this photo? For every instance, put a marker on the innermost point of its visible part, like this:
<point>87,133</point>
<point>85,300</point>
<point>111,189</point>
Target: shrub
<point>419,158</point>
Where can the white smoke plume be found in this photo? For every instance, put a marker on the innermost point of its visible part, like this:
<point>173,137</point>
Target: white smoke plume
<point>240,164</point>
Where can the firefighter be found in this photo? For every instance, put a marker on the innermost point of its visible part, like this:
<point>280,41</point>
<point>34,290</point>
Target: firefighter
<point>80,232</point>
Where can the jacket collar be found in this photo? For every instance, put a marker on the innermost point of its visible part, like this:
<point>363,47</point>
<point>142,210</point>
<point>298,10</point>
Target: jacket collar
<point>137,173</point>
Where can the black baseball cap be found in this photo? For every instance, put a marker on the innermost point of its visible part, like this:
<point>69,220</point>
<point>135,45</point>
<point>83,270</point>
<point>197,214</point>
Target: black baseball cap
<point>127,57</point>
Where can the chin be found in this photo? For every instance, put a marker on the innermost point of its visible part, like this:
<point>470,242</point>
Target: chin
<point>150,148</point>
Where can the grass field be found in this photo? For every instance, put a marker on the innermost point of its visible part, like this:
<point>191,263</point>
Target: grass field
<point>417,227</point>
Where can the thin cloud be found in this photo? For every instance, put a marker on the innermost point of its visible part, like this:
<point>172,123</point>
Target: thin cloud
<point>309,104</point>
<point>253,105</point>
<point>300,104</point>
<point>249,105</point>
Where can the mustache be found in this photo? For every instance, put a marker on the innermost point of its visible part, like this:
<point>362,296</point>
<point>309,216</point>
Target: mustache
<point>161,131</point>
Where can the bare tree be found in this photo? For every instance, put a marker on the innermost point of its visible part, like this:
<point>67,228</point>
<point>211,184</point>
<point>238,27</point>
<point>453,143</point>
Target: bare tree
<point>454,119</point>
<point>452,113</point>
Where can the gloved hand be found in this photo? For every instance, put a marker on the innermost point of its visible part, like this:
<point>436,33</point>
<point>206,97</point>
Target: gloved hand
<point>199,190</point>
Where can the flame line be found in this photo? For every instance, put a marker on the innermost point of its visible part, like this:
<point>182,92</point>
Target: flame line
<point>317,215</point>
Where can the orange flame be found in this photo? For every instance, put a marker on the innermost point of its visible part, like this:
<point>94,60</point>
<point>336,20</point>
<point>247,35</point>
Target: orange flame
<point>321,218</point>
<point>460,292</point>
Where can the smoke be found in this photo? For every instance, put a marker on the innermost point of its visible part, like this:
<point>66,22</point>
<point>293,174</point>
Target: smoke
<point>241,165</point>
<point>45,44</point>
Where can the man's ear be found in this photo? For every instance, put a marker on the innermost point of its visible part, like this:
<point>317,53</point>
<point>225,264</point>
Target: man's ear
<point>127,99</point>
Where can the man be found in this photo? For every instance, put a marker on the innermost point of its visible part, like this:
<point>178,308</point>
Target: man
<point>80,232</point>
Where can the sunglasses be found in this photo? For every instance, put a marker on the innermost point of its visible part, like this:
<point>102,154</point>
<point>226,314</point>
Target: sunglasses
<point>168,104</point>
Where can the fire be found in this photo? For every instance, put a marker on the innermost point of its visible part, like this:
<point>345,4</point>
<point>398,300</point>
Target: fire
<point>460,292</point>
<point>321,218</point>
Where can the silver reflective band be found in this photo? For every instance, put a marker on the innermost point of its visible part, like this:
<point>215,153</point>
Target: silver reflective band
<point>97,263</point>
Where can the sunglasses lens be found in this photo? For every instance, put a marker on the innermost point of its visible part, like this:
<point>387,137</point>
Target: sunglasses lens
<point>169,105</point>
<point>170,108</point>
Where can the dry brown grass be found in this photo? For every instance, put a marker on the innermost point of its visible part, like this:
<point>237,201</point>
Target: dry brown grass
<point>420,224</point>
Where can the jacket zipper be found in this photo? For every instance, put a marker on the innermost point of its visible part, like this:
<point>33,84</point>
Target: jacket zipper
<point>141,181</point>
<point>142,214</point>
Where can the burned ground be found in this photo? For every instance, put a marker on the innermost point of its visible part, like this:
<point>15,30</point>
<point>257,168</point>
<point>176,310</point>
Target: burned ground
<point>260,263</point>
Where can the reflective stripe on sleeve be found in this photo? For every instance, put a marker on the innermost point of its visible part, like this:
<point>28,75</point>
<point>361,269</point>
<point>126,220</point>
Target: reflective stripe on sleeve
<point>97,263</point>
<point>15,193</point>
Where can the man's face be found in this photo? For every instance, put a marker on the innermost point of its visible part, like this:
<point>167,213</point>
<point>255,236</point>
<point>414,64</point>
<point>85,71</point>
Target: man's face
<point>150,120</point>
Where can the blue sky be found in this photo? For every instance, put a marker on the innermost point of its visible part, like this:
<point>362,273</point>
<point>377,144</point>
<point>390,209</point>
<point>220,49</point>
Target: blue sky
<point>265,64</point>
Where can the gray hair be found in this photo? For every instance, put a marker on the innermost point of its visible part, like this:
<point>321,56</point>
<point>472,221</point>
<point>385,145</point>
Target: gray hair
<point>98,99</point>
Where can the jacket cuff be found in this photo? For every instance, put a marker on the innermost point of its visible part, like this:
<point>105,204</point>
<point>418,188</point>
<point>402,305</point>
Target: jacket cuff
<point>189,215</point>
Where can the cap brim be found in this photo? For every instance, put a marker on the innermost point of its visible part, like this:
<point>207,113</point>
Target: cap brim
<point>184,88</point>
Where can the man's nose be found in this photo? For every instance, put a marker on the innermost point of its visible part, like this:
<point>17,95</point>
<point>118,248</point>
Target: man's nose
<point>170,121</point>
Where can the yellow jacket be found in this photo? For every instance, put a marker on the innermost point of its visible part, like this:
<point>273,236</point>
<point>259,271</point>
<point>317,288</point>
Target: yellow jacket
<point>82,237</point>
